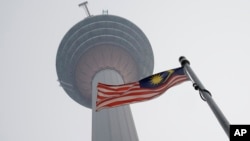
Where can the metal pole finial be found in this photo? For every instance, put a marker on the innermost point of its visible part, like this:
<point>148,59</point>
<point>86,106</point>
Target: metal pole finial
<point>183,60</point>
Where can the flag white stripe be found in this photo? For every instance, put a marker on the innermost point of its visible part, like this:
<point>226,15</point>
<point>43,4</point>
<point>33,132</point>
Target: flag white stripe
<point>117,95</point>
<point>119,99</point>
<point>103,89</point>
<point>135,95</point>
<point>173,81</point>
<point>138,92</point>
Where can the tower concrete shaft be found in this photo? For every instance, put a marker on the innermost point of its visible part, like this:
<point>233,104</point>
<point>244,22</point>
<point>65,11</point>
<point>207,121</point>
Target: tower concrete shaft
<point>115,124</point>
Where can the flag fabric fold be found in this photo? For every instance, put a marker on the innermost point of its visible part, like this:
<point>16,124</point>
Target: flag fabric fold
<point>109,96</point>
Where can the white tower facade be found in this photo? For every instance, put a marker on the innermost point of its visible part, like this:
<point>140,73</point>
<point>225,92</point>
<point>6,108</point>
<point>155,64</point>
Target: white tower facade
<point>107,49</point>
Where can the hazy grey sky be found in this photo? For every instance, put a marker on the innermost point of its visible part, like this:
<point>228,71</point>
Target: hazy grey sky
<point>214,35</point>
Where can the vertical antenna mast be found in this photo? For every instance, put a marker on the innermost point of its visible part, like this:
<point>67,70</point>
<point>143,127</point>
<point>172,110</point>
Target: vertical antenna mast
<point>84,5</point>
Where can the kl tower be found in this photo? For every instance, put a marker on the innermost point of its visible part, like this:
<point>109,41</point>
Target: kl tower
<point>108,49</point>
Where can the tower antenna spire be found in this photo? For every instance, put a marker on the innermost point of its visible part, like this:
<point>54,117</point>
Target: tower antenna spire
<point>84,5</point>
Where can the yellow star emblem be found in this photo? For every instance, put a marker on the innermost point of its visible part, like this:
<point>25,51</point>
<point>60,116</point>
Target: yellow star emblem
<point>156,79</point>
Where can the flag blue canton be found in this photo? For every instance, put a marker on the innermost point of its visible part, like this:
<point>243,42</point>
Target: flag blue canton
<point>160,79</point>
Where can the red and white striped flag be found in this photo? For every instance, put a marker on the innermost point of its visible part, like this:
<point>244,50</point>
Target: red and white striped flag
<point>109,96</point>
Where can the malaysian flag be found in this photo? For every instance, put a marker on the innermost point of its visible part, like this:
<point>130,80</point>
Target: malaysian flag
<point>109,96</point>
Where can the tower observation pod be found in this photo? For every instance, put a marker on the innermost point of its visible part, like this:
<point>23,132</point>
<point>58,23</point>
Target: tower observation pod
<point>107,49</point>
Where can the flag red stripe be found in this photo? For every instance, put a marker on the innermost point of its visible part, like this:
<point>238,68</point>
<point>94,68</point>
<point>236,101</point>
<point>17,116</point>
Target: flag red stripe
<point>142,91</point>
<point>126,101</point>
<point>116,87</point>
<point>173,80</point>
<point>137,95</point>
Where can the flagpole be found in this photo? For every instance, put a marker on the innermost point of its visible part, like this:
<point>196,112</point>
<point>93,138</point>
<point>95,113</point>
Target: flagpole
<point>205,95</point>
